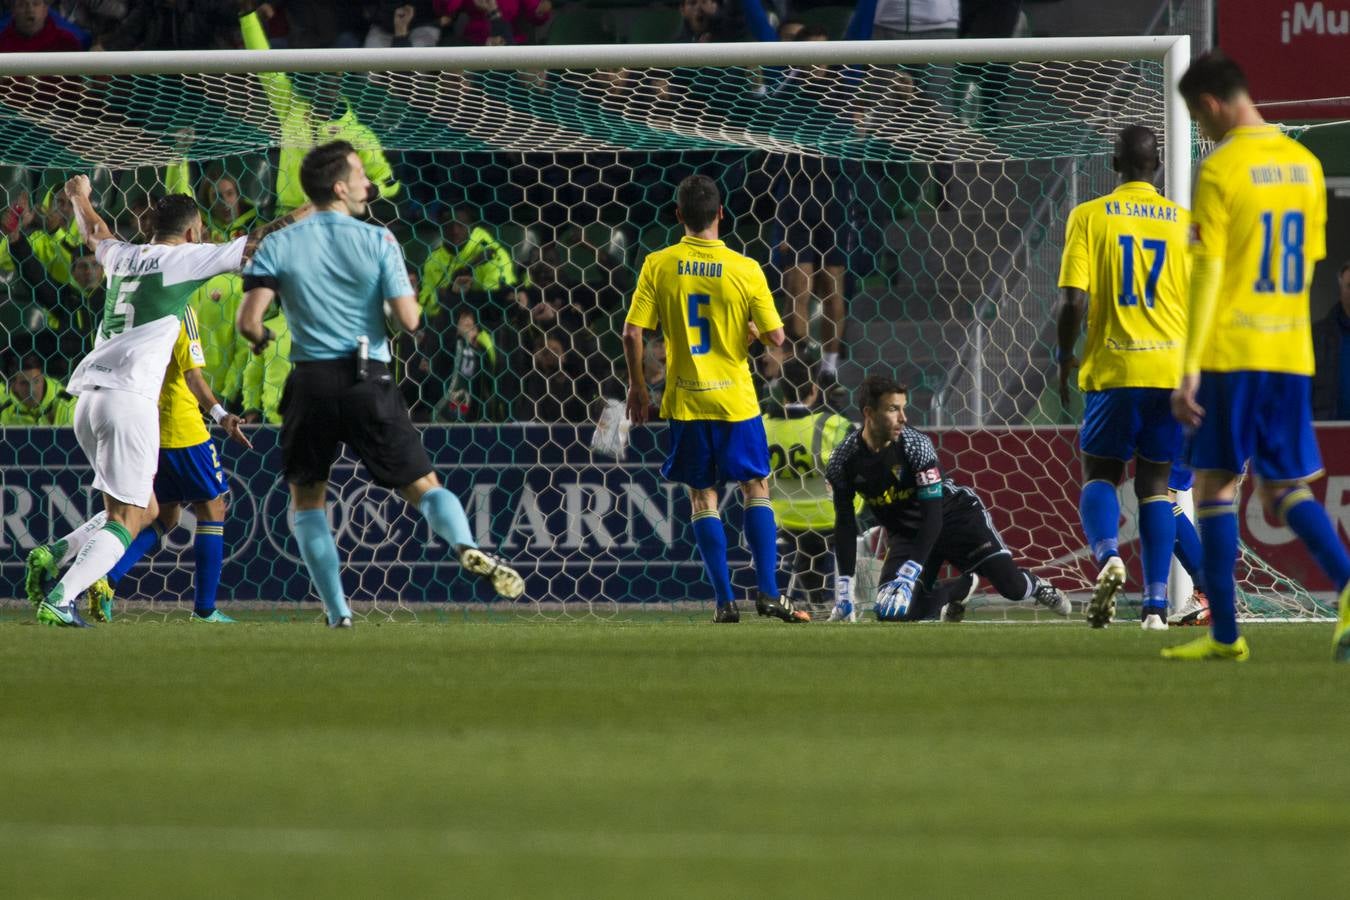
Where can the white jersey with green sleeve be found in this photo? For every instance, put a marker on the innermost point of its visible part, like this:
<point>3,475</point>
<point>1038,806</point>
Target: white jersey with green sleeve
<point>149,286</point>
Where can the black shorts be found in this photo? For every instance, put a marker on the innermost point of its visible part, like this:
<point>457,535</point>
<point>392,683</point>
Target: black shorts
<point>968,539</point>
<point>324,404</point>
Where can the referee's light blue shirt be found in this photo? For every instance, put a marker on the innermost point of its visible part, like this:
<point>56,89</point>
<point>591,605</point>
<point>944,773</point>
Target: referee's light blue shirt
<point>333,274</point>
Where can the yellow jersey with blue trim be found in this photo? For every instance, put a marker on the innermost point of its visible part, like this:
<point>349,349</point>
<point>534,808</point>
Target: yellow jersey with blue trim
<point>1128,252</point>
<point>180,418</point>
<point>703,297</point>
<point>1260,211</point>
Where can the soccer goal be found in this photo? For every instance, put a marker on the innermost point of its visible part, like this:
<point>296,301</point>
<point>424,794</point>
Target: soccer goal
<point>906,198</point>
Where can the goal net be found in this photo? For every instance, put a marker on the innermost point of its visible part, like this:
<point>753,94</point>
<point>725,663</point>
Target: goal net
<point>919,189</point>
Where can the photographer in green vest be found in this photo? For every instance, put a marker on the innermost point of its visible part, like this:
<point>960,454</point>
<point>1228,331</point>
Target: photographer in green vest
<point>800,443</point>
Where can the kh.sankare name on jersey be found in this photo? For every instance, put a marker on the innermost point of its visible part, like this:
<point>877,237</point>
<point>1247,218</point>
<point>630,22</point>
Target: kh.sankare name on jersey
<point>1128,252</point>
<point>703,296</point>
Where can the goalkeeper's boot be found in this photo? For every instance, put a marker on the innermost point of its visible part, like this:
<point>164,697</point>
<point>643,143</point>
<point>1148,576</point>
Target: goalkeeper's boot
<point>1208,648</point>
<point>727,613</point>
<point>780,607</point>
<point>844,611</point>
<point>1195,612</point>
<point>215,617</point>
<point>1153,618</point>
<point>1102,607</point>
<point>100,598</point>
<point>344,622</point>
<point>1341,636</point>
<point>505,580</point>
<point>60,616</point>
<point>1052,598</point>
<point>954,610</point>
<point>38,568</point>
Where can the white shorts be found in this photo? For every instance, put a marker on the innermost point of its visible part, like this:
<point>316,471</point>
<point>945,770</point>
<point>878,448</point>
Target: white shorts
<point>119,433</point>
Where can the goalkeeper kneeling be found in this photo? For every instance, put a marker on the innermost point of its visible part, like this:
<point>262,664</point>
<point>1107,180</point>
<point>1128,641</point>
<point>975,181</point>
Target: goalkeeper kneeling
<point>928,519</point>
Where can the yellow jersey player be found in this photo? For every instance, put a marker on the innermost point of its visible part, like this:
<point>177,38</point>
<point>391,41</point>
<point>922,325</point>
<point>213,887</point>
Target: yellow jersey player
<point>1125,264</point>
<point>1258,228</point>
<point>189,472</point>
<point>704,297</point>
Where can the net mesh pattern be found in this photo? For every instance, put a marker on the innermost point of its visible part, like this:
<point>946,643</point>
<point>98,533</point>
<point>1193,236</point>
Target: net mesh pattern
<point>933,195</point>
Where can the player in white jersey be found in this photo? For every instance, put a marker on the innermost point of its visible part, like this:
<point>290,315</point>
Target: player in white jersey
<point>118,382</point>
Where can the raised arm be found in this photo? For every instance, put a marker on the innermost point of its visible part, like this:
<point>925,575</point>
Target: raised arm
<point>92,227</point>
<point>255,237</point>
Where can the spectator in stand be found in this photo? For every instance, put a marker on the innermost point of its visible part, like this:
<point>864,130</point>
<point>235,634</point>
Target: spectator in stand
<point>814,193</point>
<point>317,23</point>
<point>32,27</point>
<point>227,354</point>
<point>69,309</point>
<point>56,243</point>
<point>227,214</point>
<point>93,18</point>
<point>36,399</point>
<point>495,22</point>
<point>399,23</point>
<point>709,21</point>
<point>1331,350</point>
<point>473,394</point>
<point>469,258</point>
<point>175,25</point>
<point>266,372</point>
<point>320,116</point>
<point>556,389</point>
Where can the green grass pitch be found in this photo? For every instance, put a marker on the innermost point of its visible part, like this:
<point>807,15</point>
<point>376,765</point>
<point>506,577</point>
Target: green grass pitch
<point>670,759</point>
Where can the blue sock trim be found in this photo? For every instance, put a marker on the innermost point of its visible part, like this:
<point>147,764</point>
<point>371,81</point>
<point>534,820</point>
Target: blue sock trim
<point>445,514</point>
<point>1307,519</point>
<point>1099,511</point>
<point>711,537</point>
<point>208,552</point>
<point>761,533</point>
<point>1157,537</point>
<point>319,551</point>
<point>1219,537</point>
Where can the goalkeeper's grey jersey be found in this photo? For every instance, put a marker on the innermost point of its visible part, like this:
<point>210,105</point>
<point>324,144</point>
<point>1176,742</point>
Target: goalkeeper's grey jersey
<point>149,286</point>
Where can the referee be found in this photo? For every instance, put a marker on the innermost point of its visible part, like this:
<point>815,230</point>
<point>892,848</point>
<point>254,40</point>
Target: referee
<point>335,276</point>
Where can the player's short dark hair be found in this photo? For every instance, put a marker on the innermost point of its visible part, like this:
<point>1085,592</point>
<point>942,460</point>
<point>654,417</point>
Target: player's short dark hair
<point>171,216</point>
<point>1345,267</point>
<point>811,32</point>
<point>466,311</point>
<point>795,381</point>
<point>874,387</point>
<point>1212,73</point>
<point>322,168</point>
<point>698,201</point>
<point>1136,150</point>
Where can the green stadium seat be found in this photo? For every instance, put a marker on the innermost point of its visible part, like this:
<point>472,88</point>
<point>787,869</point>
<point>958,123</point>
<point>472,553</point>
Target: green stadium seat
<point>833,19</point>
<point>653,25</point>
<point>578,25</point>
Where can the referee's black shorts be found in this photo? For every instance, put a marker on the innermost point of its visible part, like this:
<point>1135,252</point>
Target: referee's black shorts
<point>324,404</point>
